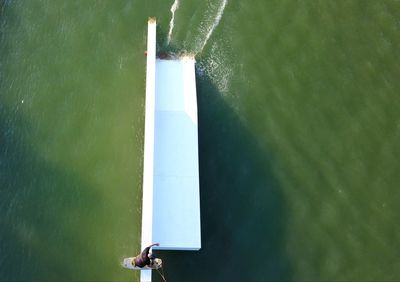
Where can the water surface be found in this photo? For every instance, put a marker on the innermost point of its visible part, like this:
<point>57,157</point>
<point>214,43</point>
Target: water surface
<point>299,133</point>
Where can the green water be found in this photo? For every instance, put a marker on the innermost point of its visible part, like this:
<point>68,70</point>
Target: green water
<point>299,138</point>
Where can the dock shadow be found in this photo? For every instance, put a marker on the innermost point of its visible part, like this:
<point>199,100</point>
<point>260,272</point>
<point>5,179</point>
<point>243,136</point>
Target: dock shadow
<point>242,207</point>
<point>42,208</point>
<point>52,217</point>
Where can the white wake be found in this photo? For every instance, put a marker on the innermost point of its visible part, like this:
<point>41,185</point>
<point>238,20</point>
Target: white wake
<point>214,25</point>
<point>174,7</point>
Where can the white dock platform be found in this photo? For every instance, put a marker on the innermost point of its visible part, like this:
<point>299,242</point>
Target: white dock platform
<point>171,198</point>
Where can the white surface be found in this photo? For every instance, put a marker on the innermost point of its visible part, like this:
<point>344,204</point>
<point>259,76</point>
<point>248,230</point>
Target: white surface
<point>176,199</point>
<point>171,199</point>
<point>148,165</point>
<point>128,263</point>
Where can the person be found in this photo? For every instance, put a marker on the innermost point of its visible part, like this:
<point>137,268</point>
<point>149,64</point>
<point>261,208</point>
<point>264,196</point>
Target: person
<point>145,258</point>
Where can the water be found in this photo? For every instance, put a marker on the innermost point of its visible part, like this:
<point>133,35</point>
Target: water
<point>299,133</point>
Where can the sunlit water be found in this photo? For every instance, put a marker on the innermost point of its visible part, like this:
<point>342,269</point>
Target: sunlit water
<point>299,133</point>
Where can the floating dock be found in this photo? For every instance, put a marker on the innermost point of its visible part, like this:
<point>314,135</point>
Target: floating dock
<point>171,198</point>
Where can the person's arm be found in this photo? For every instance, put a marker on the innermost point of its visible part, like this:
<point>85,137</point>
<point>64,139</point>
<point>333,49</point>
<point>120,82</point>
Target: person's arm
<point>146,251</point>
<point>150,256</point>
<point>155,244</point>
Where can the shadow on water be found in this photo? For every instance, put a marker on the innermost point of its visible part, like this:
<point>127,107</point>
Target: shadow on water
<point>43,207</point>
<point>242,208</point>
<point>58,220</point>
<point>42,210</point>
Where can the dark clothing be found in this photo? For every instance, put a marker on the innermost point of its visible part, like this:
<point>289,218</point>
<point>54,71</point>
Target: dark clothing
<point>143,259</point>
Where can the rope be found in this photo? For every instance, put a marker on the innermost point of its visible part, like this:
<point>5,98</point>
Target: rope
<point>162,274</point>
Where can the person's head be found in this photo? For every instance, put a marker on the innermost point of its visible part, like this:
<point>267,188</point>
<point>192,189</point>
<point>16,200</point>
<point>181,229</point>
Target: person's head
<point>157,262</point>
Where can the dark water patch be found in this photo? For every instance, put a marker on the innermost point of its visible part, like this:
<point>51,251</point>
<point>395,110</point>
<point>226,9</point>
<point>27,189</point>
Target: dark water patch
<point>71,140</point>
<point>43,207</point>
<point>242,208</point>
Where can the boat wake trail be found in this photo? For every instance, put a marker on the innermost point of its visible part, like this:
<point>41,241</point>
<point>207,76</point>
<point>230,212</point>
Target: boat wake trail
<point>174,7</point>
<point>210,31</point>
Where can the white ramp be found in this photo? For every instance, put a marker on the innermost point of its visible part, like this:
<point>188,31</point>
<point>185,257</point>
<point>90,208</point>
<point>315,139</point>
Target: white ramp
<point>171,198</point>
<point>176,199</point>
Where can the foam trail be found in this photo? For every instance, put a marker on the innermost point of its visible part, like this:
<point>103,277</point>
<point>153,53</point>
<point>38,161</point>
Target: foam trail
<point>174,7</point>
<point>215,24</point>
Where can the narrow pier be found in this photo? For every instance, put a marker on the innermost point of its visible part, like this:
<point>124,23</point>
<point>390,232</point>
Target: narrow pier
<point>171,198</point>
